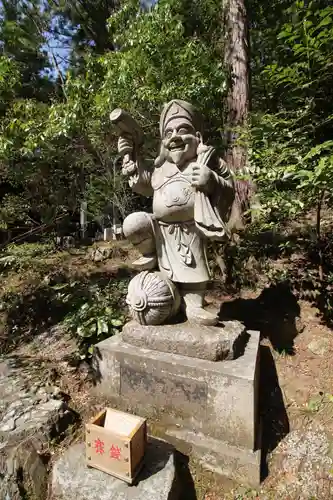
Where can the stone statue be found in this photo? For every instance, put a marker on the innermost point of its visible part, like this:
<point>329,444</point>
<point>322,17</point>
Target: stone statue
<point>193,193</point>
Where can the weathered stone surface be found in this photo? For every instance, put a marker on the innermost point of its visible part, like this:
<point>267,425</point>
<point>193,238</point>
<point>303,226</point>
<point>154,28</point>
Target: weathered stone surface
<point>73,480</point>
<point>26,474</point>
<point>304,460</point>
<point>213,343</point>
<point>241,464</point>
<point>29,417</point>
<point>99,254</point>
<point>152,298</point>
<point>216,399</point>
<point>319,346</point>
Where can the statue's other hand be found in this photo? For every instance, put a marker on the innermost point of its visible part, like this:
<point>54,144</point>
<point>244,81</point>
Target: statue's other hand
<point>201,176</point>
<point>129,166</point>
<point>125,144</point>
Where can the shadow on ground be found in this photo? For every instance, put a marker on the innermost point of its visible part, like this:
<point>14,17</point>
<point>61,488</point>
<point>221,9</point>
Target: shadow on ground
<point>273,415</point>
<point>273,313</point>
<point>158,453</point>
<point>185,479</point>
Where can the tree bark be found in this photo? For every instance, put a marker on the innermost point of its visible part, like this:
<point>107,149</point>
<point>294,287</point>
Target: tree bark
<point>236,59</point>
<point>237,63</point>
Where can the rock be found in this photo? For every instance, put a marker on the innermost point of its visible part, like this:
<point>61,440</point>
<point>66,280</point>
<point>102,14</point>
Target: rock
<point>65,241</point>
<point>26,474</point>
<point>57,393</point>
<point>304,462</point>
<point>8,425</point>
<point>73,480</point>
<point>319,346</point>
<point>100,254</point>
<point>213,343</point>
<point>13,408</point>
<point>26,424</point>
<point>39,418</point>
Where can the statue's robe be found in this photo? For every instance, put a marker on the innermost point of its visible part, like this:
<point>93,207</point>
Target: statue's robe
<point>185,217</point>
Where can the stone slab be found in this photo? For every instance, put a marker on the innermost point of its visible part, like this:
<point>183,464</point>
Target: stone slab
<point>213,343</point>
<point>73,480</point>
<point>242,465</point>
<point>218,400</point>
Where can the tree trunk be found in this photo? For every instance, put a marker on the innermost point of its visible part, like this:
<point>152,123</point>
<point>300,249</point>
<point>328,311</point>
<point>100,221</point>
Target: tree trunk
<point>237,62</point>
<point>238,101</point>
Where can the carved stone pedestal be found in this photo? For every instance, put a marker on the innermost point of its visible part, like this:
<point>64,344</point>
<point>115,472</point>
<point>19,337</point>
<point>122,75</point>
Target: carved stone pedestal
<point>208,408</point>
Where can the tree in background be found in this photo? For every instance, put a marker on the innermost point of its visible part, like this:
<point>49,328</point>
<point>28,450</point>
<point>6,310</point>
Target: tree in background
<point>291,136</point>
<point>236,53</point>
<point>22,41</point>
<point>82,26</point>
<point>41,179</point>
<point>237,58</point>
<point>55,112</point>
<point>70,141</point>
<point>25,90</point>
<point>292,121</point>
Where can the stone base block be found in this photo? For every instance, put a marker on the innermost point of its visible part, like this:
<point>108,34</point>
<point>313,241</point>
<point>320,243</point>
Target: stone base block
<point>242,465</point>
<point>73,480</point>
<point>215,400</point>
<point>213,343</point>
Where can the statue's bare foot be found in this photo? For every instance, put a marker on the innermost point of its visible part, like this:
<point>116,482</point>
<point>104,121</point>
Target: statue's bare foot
<point>194,308</point>
<point>201,316</point>
<point>145,263</point>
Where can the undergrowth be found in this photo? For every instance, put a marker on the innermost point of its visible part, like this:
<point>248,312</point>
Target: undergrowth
<point>90,306</point>
<point>271,255</point>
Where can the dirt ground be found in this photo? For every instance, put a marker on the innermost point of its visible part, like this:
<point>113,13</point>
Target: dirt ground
<point>296,386</point>
<point>296,390</point>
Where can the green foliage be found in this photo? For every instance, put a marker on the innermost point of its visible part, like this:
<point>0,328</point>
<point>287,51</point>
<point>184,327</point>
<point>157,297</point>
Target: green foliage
<point>27,255</point>
<point>22,34</point>
<point>96,311</point>
<point>90,307</point>
<point>57,146</point>
<point>84,26</point>
<point>9,80</point>
<point>140,76</point>
<point>290,137</point>
<point>320,403</point>
<point>56,153</point>
<point>149,70</point>
<point>291,151</point>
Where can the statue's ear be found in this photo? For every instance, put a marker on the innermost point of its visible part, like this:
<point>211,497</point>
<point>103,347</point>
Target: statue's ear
<point>161,157</point>
<point>199,136</point>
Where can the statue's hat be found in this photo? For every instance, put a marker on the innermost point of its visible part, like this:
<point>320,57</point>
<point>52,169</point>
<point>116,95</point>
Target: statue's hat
<point>179,109</point>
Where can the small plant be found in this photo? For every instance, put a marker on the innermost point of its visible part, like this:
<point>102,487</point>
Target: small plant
<point>91,308</point>
<point>95,311</point>
<point>319,403</point>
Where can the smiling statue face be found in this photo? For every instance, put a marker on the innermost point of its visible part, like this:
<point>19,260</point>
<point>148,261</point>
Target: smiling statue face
<point>180,141</point>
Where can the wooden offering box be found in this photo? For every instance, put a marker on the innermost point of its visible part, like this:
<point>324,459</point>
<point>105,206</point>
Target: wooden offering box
<point>115,443</point>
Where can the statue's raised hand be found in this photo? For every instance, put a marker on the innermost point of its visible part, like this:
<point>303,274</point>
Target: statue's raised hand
<point>129,167</point>
<point>201,177</point>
